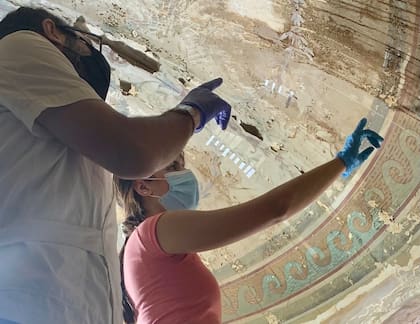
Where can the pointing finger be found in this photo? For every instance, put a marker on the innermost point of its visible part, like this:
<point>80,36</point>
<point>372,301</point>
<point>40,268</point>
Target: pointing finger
<point>213,84</point>
<point>361,125</point>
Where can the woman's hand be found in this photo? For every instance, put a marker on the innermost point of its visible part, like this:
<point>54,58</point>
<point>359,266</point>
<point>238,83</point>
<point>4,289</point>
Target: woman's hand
<point>350,153</point>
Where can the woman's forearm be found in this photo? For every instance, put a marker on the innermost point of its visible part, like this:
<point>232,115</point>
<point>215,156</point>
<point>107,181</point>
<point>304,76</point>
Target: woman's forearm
<point>298,193</point>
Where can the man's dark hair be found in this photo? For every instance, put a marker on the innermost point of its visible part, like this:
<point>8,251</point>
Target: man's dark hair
<point>27,18</point>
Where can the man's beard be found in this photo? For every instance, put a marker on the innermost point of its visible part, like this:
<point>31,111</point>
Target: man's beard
<point>69,51</point>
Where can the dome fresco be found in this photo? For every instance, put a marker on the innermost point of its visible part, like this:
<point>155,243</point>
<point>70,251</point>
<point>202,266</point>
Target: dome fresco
<point>299,75</point>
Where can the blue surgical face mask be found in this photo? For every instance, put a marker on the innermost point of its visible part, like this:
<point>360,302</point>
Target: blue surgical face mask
<point>183,191</point>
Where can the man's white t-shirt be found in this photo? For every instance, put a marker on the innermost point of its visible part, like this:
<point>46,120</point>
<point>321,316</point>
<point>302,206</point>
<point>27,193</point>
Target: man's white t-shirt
<point>58,257</point>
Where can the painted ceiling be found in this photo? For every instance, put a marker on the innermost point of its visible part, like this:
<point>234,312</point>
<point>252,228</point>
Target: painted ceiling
<point>299,75</point>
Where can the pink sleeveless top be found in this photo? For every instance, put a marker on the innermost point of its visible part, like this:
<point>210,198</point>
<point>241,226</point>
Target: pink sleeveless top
<point>168,288</point>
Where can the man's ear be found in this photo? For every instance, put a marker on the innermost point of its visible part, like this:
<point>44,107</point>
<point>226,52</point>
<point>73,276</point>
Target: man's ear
<point>142,188</point>
<point>52,32</point>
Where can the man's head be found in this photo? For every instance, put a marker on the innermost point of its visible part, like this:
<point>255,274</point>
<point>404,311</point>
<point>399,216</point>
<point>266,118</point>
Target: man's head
<point>90,64</point>
<point>34,19</point>
<point>44,23</point>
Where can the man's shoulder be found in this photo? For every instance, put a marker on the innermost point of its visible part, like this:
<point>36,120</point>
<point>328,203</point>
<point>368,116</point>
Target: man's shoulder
<point>22,36</point>
<point>24,43</point>
<point>25,46</point>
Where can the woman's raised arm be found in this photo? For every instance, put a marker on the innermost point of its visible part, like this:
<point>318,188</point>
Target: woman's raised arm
<point>194,231</point>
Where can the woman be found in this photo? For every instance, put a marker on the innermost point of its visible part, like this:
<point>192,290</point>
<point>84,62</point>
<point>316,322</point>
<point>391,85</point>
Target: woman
<point>165,280</point>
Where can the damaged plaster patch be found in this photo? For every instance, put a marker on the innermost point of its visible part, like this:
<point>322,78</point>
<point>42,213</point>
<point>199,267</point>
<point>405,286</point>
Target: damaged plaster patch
<point>251,129</point>
<point>393,226</point>
<point>381,297</point>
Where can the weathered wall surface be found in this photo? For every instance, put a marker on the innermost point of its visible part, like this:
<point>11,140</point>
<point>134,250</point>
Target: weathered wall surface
<point>382,36</point>
<point>303,79</point>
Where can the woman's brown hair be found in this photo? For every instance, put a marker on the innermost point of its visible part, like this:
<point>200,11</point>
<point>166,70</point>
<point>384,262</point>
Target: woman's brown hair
<point>130,201</point>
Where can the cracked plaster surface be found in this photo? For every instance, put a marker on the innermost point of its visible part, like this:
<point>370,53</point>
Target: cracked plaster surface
<point>363,63</point>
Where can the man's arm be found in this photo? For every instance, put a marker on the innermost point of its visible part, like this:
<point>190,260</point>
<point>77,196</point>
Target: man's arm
<point>42,87</point>
<point>133,148</point>
<point>128,147</point>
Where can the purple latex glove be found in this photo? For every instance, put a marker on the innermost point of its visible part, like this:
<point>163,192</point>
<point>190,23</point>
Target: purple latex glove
<point>209,104</point>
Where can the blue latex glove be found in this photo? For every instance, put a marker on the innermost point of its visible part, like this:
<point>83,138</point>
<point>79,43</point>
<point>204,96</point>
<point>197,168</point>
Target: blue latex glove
<point>350,153</point>
<point>209,104</point>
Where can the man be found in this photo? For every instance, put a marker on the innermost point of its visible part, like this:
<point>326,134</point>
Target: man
<point>59,144</point>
